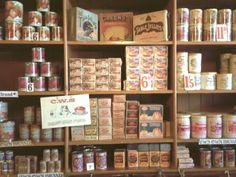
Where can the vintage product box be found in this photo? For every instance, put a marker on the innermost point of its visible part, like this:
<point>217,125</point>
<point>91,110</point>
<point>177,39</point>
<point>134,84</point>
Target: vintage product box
<point>115,70</point>
<point>100,70</point>
<point>150,130</point>
<point>77,133</point>
<point>115,78</point>
<point>154,155</point>
<point>118,106</point>
<point>151,112</point>
<point>104,112</point>
<point>118,114</point>
<point>160,51</point>
<point>115,62</point>
<point>132,85</point>
<point>88,62</point>
<point>102,78</point>
<point>115,86</point>
<point>102,62</point>
<point>160,62</point>
<point>88,86</point>
<point>119,158</point>
<point>104,103</point>
<point>93,102</point>
<point>90,132</point>
<point>88,70</point>
<point>88,78</point>
<point>83,25</point>
<point>132,122</point>
<point>102,86</point>
<point>104,121</point>
<point>132,105</point>
<point>151,26</point>
<point>132,156</point>
<point>74,63</point>
<point>131,132</point>
<point>75,72</point>
<point>75,80</point>
<point>132,114</point>
<point>118,133</point>
<point>132,51</point>
<point>118,123</point>
<point>116,26</point>
<point>76,87</point>
<point>160,84</point>
<point>119,98</point>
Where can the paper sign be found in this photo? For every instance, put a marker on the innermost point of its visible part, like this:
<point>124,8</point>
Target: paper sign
<point>8,94</point>
<point>41,175</point>
<point>221,32</point>
<point>216,141</point>
<point>30,87</point>
<point>189,82</point>
<point>146,82</point>
<point>65,111</point>
<point>90,166</point>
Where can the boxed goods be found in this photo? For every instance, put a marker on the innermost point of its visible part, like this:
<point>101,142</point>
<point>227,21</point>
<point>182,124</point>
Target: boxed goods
<point>152,27</point>
<point>116,26</point>
<point>119,158</point>
<point>150,130</point>
<point>133,157</point>
<point>83,25</point>
<point>151,112</point>
<point>77,133</point>
<point>132,109</point>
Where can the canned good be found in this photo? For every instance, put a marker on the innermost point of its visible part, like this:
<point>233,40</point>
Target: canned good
<point>232,65</point>
<point>1,33</point>
<point>209,33</point>
<point>7,130</point>
<point>38,115</point>
<point>24,132</point>
<point>38,54</point>
<point>43,5</point>
<point>39,84</point>
<point>58,134</point>
<point>10,165</point>
<point>12,30</point>
<point>35,133</point>
<point>224,81</point>
<point>46,135</point>
<point>77,161</point>
<point>88,157</point>
<point>46,69</point>
<point>229,157</point>
<point>183,126</point>
<point>195,33</point>
<point>58,166</point>
<point>14,11</point>
<point>101,160</point>
<point>224,62</point>
<point>182,33</point>
<point>31,69</point>
<point>218,158</point>
<point>195,62</point>
<point>214,125</point>
<point>182,62</point>
<point>210,16</point>
<point>54,83</point>
<point>229,129</point>
<point>34,18</point>
<point>51,167</point>
<point>27,33</point>
<point>51,19</point>
<point>2,156</point>
<point>9,155</point>
<point>3,111</point>
<point>43,166</point>
<point>195,17</point>
<point>182,16</point>
<point>29,114</point>
<point>199,126</point>
<point>225,16</point>
<point>57,33</point>
<point>208,80</point>
<point>33,163</point>
<point>205,158</point>
<point>4,168</point>
<point>44,33</point>
<point>46,155</point>
<point>54,155</point>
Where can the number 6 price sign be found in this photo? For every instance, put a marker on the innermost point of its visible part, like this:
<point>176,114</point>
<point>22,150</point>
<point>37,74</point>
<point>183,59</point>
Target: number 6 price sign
<point>146,82</point>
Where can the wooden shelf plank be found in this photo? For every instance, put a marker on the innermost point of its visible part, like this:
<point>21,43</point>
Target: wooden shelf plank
<point>207,92</point>
<point>124,141</point>
<point>20,42</point>
<point>206,43</point>
<point>188,141</point>
<point>46,93</point>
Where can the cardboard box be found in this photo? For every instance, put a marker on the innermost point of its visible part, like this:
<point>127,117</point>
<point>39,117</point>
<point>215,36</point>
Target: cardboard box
<point>151,112</point>
<point>90,130</point>
<point>93,102</point>
<point>151,26</point>
<point>116,26</point>
<point>150,130</point>
<point>118,106</point>
<point>77,133</point>
<point>104,121</point>
<point>83,25</point>
<point>119,98</point>
<point>75,63</point>
<point>104,112</point>
<point>104,103</point>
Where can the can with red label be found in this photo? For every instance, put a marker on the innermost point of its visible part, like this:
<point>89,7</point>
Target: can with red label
<point>214,125</point>
<point>24,131</point>
<point>229,126</point>
<point>34,18</point>
<point>205,158</point>
<point>13,30</point>
<point>46,135</point>
<point>39,84</point>
<point>51,19</point>
<point>229,157</point>
<point>23,83</point>
<point>183,126</point>
<point>43,5</point>
<point>88,157</point>
<point>31,69</point>
<point>44,33</point>
<point>77,161</point>
<point>27,33</point>
<point>14,11</point>
<point>209,33</point>
<point>218,157</point>
<point>54,83</point>
<point>198,126</point>
<point>35,133</point>
<point>101,160</point>
<point>38,54</point>
<point>29,114</point>
<point>46,69</point>
<point>57,33</point>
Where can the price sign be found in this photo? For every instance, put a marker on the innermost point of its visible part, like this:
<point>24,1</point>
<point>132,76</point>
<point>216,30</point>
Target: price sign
<point>146,82</point>
<point>35,36</point>
<point>221,32</point>
<point>189,82</point>
<point>216,141</point>
<point>30,87</point>
<point>90,166</point>
<point>8,94</point>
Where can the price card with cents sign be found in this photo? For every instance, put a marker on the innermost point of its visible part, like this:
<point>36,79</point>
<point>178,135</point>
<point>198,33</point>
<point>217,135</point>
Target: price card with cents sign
<point>189,82</point>
<point>146,82</point>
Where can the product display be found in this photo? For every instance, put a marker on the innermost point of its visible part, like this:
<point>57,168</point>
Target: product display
<point>183,157</point>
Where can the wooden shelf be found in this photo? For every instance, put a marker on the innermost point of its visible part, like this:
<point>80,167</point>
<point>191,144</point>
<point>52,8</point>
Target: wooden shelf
<point>125,141</point>
<point>188,141</point>
<point>206,43</point>
<point>46,93</point>
<point>209,170</point>
<point>207,92</point>
<point>20,42</point>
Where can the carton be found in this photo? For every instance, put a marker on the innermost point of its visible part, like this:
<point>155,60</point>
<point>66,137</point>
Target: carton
<point>150,130</point>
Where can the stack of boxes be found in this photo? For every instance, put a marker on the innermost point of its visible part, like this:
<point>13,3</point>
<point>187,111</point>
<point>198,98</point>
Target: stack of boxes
<point>132,114</point>
<point>105,119</point>
<point>183,156</point>
<point>118,116</point>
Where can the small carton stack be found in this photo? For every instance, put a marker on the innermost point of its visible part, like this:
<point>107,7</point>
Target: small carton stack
<point>132,114</point>
<point>105,120</point>
<point>77,133</point>
<point>88,74</point>
<point>102,74</point>
<point>118,116</point>
<point>115,74</point>
<point>150,121</point>
<point>75,66</point>
<point>91,131</point>
<point>183,157</point>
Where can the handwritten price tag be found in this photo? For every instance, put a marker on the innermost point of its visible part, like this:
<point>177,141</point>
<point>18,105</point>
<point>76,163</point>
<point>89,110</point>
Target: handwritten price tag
<point>90,166</point>
<point>221,32</point>
<point>146,82</point>
<point>189,82</point>
<point>30,87</point>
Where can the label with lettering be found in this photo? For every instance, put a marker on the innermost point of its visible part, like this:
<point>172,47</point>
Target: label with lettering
<point>8,94</point>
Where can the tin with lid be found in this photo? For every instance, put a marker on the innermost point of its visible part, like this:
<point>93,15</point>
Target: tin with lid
<point>195,62</point>
<point>229,128</point>
<point>198,126</point>
<point>34,18</point>
<point>214,125</point>
<point>43,5</point>
<point>183,126</point>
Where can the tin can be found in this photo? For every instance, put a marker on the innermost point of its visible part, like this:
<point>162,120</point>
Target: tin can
<point>46,155</point>
<point>7,130</point>
<point>225,16</point>
<point>4,168</point>
<point>232,62</point>
<point>182,33</point>
<point>183,126</point>
<point>88,157</point>
<point>210,16</point>
<point>3,111</point>
<point>46,135</point>
<point>51,167</point>
<point>51,19</point>
<point>224,81</point>
<point>38,116</point>
<point>23,83</point>
<point>9,155</point>
<point>229,157</point>
<point>208,80</point>
<point>182,62</point>
<point>58,134</point>
<point>34,18</point>
<point>14,11</point>
<point>195,62</point>
<point>46,69</point>
<point>101,160</point>
<point>195,17</point>
<point>218,158</point>
<point>57,33</point>
<point>44,33</point>
<point>43,166</point>
<point>1,33</point>
<point>224,62</point>
<point>31,69</point>
<point>29,114</point>
<point>27,33</point>
<point>229,129</point>
<point>43,5</point>
<point>77,161</point>
<point>38,54</point>
<point>54,155</point>
<point>58,166</point>
<point>209,33</point>
<point>198,126</point>
<point>10,166</point>
<point>234,32</point>
<point>2,156</point>
<point>40,84</point>
<point>195,33</point>
<point>35,133</point>
<point>33,163</point>
<point>54,83</point>
<point>24,132</point>
<point>205,158</point>
<point>12,30</point>
<point>182,16</point>
<point>214,126</point>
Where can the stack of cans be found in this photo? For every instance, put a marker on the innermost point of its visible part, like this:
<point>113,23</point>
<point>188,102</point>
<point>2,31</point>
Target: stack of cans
<point>225,18</point>
<point>210,24</point>
<point>182,24</point>
<point>234,26</point>
<point>195,25</point>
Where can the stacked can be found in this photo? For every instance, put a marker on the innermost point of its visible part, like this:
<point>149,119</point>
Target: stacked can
<point>182,24</point>
<point>6,163</point>
<point>13,20</point>
<point>210,24</point>
<point>195,28</point>
<point>225,18</point>
<point>234,26</point>
<point>182,68</point>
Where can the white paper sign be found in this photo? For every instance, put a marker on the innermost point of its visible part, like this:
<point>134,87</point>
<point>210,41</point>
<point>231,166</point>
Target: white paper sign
<point>90,166</point>
<point>216,141</point>
<point>65,111</point>
<point>189,82</point>
<point>146,82</point>
<point>8,94</point>
<point>41,175</point>
<point>30,87</point>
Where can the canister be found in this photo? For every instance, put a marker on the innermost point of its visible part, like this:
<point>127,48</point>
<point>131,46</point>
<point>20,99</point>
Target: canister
<point>183,126</point>
<point>40,84</point>
<point>210,16</point>
<point>224,81</point>
<point>14,11</point>
<point>12,30</point>
<point>1,33</point>
<point>31,69</point>
<point>77,161</point>
<point>54,155</point>
<point>44,33</point>
<point>182,62</point>
<point>180,82</point>
<point>101,160</point>
<point>58,134</point>
<point>182,33</point>
<point>46,135</point>
<point>57,33</point>
<point>51,19</point>
<point>7,130</point>
<point>46,69</point>
<point>27,33</point>
<point>195,17</point>
<point>88,157</point>
<point>229,157</point>
<point>195,33</point>
<point>38,54</point>
<point>209,32</point>
<point>29,114</point>
<point>217,157</point>
<point>195,62</point>
<point>183,16</point>
<point>205,158</point>
<point>3,111</point>
<point>229,128</point>
<point>47,155</point>
<point>198,126</point>
<point>224,62</point>
<point>225,17</point>
<point>214,125</point>
<point>43,5</point>
<point>54,83</point>
<point>34,18</point>
<point>208,80</point>
<point>58,166</point>
<point>24,132</point>
<point>35,133</point>
<point>43,166</point>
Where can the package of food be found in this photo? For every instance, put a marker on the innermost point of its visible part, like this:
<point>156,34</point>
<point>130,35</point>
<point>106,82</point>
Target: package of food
<point>91,137</point>
<point>115,78</point>
<point>75,80</point>
<point>132,85</point>
<point>151,26</point>
<point>154,155</point>
<point>88,78</point>
<point>132,122</point>
<point>104,121</point>
<point>160,51</point>
<point>83,25</point>
<point>118,114</point>
<point>160,73</point>
<point>88,62</point>
<point>115,70</point>
<point>102,78</point>
<point>75,63</point>
<point>94,121</point>
<point>143,155</point>
<point>23,165</point>
<point>132,132</point>
<point>146,51</point>
<point>102,62</point>
<point>118,133</point>
<point>115,86</point>
<point>116,26</point>
<point>88,70</point>
<point>132,105</point>
<point>104,103</point>
<point>160,84</point>
<point>105,131</point>
<point>76,87</point>
<point>133,74</point>
<point>132,62</point>
<point>151,112</point>
<point>146,62</point>
<point>102,86</point>
<point>132,156</point>
<point>93,102</point>
<point>115,62</point>
<point>77,133</point>
<point>150,130</point>
<point>132,51</point>
<point>118,123</point>
<point>147,71</point>
<point>160,62</point>
<point>75,72</point>
<point>119,98</point>
<point>88,86</point>
<point>90,130</point>
<point>100,70</point>
<point>165,155</point>
<point>119,158</point>
<point>118,106</point>
<point>132,114</point>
